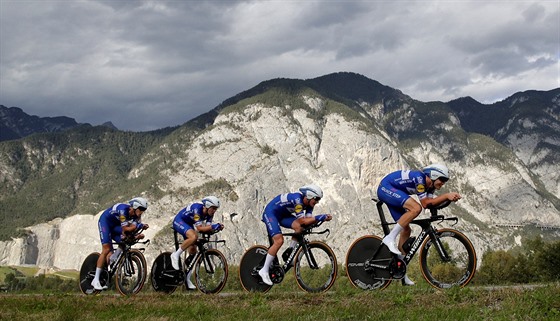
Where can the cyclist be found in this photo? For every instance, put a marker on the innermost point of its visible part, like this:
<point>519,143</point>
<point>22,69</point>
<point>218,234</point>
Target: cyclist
<point>197,217</point>
<point>291,210</point>
<point>118,221</point>
<point>395,190</point>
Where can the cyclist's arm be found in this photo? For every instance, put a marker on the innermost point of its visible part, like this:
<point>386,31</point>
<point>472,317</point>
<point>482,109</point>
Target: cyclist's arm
<point>204,228</point>
<point>129,228</point>
<point>428,201</point>
<point>305,221</point>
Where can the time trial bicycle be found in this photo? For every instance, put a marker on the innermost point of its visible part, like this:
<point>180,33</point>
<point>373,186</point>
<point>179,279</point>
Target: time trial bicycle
<point>314,263</point>
<point>447,256</point>
<point>129,269</point>
<point>209,266</point>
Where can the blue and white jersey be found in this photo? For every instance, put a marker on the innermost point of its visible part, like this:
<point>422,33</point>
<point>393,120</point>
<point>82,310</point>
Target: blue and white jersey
<point>193,215</point>
<point>410,182</point>
<point>119,214</point>
<point>288,205</point>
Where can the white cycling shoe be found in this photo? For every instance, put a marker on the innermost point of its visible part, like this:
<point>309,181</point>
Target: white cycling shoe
<point>265,277</point>
<point>97,285</point>
<point>190,285</point>
<point>391,245</point>
<point>406,281</point>
<point>175,261</point>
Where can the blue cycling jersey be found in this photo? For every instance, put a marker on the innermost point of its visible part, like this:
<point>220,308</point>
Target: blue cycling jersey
<point>395,188</point>
<point>410,182</point>
<point>112,220</point>
<point>193,215</point>
<point>283,210</point>
<point>189,217</point>
<point>288,205</point>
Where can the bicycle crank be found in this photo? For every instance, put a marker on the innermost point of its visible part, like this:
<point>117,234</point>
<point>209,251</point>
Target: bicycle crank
<point>276,274</point>
<point>397,267</point>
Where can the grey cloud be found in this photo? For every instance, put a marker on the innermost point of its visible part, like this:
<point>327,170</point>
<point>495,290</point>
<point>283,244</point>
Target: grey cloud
<point>169,61</point>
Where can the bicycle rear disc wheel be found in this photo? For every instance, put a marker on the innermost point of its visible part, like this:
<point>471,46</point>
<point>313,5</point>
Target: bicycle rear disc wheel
<point>211,272</point>
<point>87,274</point>
<point>359,267</point>
<point>458,269</point>
<point>249,267</point>
<point>160,281</point>
<point>131,273</point>
<point>315,271</point>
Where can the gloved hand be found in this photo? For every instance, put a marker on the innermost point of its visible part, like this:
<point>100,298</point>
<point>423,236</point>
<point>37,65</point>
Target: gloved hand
<point>139,226</point>
<point>217,227</point>
<point>321,217</point>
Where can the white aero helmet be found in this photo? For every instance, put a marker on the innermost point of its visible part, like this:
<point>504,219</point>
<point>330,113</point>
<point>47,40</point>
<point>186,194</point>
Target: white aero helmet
<point>311,191</point>
<point>210,201</point>
<point>436,171</point>
<point>139,202</point>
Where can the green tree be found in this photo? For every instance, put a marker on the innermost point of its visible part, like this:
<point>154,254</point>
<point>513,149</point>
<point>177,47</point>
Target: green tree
<point>548,262</point>
<point>497,267</point>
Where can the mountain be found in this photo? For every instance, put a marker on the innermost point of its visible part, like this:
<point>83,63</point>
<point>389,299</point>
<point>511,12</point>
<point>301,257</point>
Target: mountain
<point>341,131</point>
<point>528,123</point>
<point>15,123</point>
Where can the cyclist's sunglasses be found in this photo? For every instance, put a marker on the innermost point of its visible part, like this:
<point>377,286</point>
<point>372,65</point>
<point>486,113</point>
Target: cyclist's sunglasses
<point>317,199</point>
<point>443,179</point>
<point>142,209</point>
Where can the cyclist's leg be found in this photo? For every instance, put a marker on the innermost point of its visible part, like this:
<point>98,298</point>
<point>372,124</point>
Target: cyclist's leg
<point>191,252</point>
<point>403,209</point>
<point>106,234</point>
<point>273,230</point>
<point>189,238</point>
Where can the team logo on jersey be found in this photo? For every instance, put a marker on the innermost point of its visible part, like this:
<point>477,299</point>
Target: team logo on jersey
<point>299,208</point>
<point>122,218</point>
<point>420,188</point>
<point>196,217</point>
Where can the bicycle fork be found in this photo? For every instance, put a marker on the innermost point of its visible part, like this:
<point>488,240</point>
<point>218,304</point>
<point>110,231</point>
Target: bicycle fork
<point>439,246</point>
<point>309,256</point>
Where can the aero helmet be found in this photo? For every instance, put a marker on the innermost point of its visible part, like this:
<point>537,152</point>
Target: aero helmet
<point>436,171</point>
<point>311,191</point>
<point>138,202</point>
<point>210,201</point>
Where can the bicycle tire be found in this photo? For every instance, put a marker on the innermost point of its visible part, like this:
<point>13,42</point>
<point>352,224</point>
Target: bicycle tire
<point>87,274</point>
<point>161,283</point>
<point>211,272</point>
<point>359,274</point>
<point>131,273</point>
<point>461,268</point>
<point>318,273</point>
<point>248,269</point>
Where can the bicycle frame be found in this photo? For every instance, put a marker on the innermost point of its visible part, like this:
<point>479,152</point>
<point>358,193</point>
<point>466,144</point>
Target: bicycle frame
<point>201,244</point>
<point>302,242</point>
<point>427,230</point>
<point>126,247</point>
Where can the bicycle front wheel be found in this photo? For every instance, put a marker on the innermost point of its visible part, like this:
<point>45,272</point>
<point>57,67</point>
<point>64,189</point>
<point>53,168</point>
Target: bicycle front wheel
<point>448,261</point>
<point>131,273</point>
<point>211,272</point>
<point>315,270</point>
<point>363,269</point>
<point>87,274</point>
<point>251,262</point>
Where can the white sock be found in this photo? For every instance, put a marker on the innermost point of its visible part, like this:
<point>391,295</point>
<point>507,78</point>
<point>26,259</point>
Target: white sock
<point>268,261</point>
<point>97,273</point>
<point>396,230</point>
<point>189,275</point>
<point>178,252</point>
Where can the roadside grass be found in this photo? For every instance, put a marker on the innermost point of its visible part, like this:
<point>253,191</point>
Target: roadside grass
<point>287,302</point>
<point>394,303</point>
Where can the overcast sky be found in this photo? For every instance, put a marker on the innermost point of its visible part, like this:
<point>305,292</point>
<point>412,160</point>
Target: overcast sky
<point>150,64</point>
